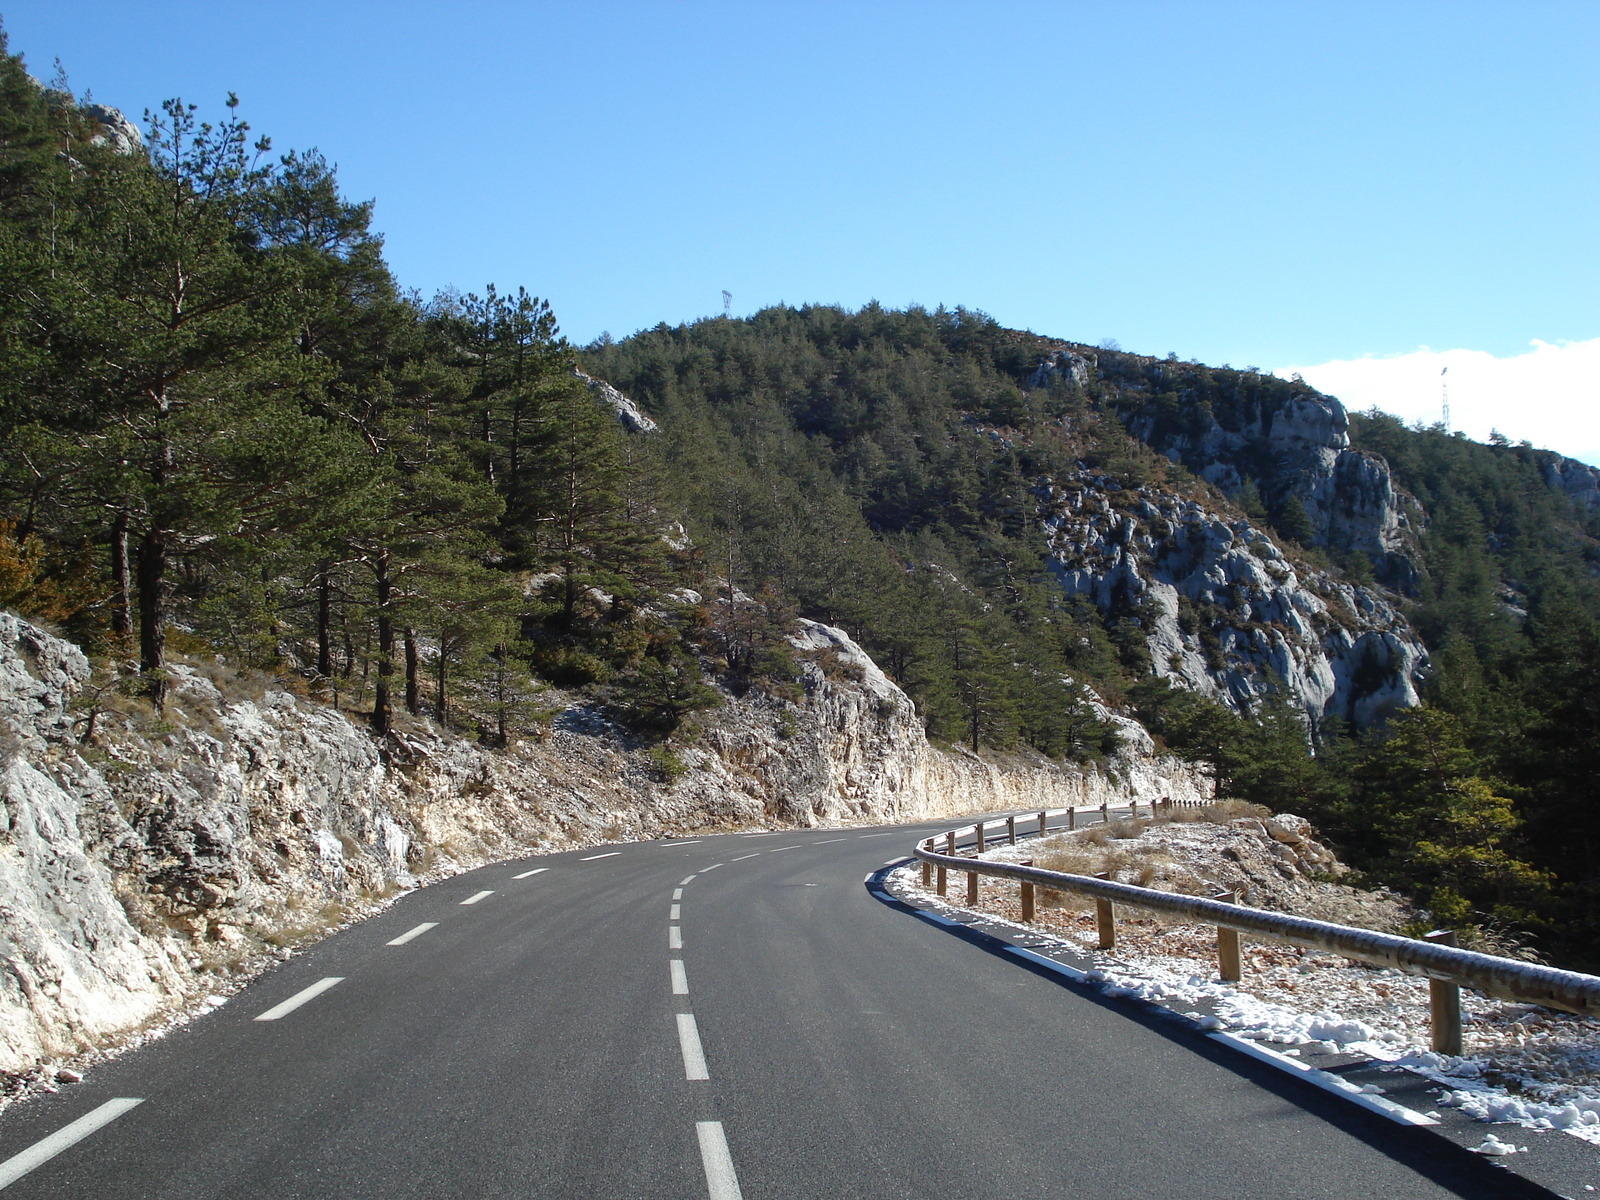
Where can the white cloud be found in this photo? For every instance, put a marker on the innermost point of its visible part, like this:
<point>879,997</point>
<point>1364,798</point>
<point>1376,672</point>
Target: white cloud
<point>1549,396</point>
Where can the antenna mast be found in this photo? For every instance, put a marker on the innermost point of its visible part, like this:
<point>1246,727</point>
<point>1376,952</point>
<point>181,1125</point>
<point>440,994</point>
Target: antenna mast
<point>727,303</point>
<point>1444,385</point>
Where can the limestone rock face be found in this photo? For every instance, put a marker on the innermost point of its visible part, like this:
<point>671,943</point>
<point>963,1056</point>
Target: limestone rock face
<point>146,867</point>
<point>1225,611</point>
<point>113,129</point>
<point>1577,479</point>
<point>627,411</point>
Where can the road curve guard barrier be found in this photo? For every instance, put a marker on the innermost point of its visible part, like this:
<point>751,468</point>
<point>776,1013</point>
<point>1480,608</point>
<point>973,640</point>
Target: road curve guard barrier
<point>1447,967</point>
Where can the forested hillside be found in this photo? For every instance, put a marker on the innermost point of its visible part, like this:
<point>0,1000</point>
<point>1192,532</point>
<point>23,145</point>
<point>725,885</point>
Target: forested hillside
<point>229,431</point>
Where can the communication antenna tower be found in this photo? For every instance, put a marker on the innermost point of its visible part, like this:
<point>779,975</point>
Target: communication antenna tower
<point>1444,385</point>
<point>727,303</point>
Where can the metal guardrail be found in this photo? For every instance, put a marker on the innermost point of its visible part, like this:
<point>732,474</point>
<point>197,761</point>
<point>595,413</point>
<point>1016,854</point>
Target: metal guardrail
<point>1447,967</point>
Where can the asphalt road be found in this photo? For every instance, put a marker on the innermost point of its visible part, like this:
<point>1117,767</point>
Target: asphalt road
<point>538,1042</point>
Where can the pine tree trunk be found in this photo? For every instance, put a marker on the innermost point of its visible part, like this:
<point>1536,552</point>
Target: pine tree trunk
<point>153,614</point>
<point>324,624</point>
<point>440,705</point>
<point>413,694</point>
<point>382,712</point>
<point>121,580</point>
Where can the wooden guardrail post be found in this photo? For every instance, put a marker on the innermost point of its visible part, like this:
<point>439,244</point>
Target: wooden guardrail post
<point>1444,1002</point>
<point>1105,811</point>
<point>1133,809</point>
<point>950,842</point>
<point>1027,894</point>
<point>1041,824</point>
<point>1011,830</point>
<point>972,887</point>
<point>1106,917</point>
<point>927,867</point>
<point>943,886</point>
<point>1229,967</point>
<point>980,837</point>
<point>1072,819</point>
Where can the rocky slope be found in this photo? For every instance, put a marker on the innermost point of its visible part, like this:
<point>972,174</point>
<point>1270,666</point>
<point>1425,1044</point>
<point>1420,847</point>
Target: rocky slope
<point>145,861</point>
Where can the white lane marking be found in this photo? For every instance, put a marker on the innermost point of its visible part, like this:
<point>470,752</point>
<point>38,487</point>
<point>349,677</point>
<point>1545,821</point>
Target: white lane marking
<point>690,842</point>
<point>676,914</point>
<point>892,862</point>
<point>680,980</point>
<point>685,883</point>
<point>1327,1081</point>
<point>867,878</point>
<point>721,1182</point>
<point>674,937</point>
<point>829,841</point>
<point>607,854</point>
<point>763,833</point>
<point>712,867</point>
<point>300,997</point>
<point>41,1152</point>
<point>473,899</point>
<point>867,835</point>
<point>677,893</point>
<point>742,857</point>
<point>411,933</point>
<point>780,848</point>
<point>694,1056</point>
<point>535,871</point>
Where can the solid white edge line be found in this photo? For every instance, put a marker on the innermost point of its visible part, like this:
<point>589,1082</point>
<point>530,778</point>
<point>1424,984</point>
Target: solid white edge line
<point>674,937</point>
<point>1325,1080</point>
<point>535,871</point>
<point>299,998</point>
<point>685,883</point>
<point>867,878</point>
<point>607,854</point>
<point>1050,963</point>
<point>721,1182</point>
<point>680,980</point>
<point>478,896</point>
<point>42,1151</point>
<point>694,1055</point>
<point>411,933</point>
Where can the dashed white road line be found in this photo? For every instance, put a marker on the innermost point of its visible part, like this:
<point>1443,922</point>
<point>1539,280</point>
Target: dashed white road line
<point>778,849</point>
<point>721,1182</point>
<point>607,854</point>
<point>473,899</point>
<point>712,867</point>
<point>535,871</point>
<point>690,842</point>
<point>829,841</point>
<point>41,1152</point>
<point>742,857</point>
<point>680,980</point>
<point>411,933</point>
<point>677,893</point>
<point>674,937</point>
<point>300,997</point>
<point>867,835</point>
<point>686,882</point>
<point>694,1057</point>
<point>676,914</point>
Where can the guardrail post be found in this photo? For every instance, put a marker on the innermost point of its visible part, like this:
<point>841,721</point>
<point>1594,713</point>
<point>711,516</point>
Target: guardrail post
<point>1105,811</point>
<point>980,837</point>
<point>972,887</point>
<point>1011,830</point>
<point>1027,894</point>
<point>1041,824</point>
<point>1133,809</point>
<point>1106,917</point>
<point>927,867</point>
<point>950,842</point>
<point>1229,967</point>
<point>1072,818</point>
<point>944,883</point>
<point>1444,1002</point>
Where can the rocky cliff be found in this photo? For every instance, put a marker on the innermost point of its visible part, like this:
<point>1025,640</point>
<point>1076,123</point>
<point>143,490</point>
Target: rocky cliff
<point>147,861</point>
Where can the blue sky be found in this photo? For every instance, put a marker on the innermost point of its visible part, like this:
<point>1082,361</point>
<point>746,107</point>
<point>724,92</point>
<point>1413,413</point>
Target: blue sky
<point>1277,184</point>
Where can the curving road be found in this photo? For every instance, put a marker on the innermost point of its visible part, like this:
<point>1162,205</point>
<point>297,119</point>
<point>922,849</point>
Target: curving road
<point>734,1016</point>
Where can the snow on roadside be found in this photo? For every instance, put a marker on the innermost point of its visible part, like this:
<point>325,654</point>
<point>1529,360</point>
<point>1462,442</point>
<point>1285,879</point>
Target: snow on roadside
<point>1526,1065</point>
